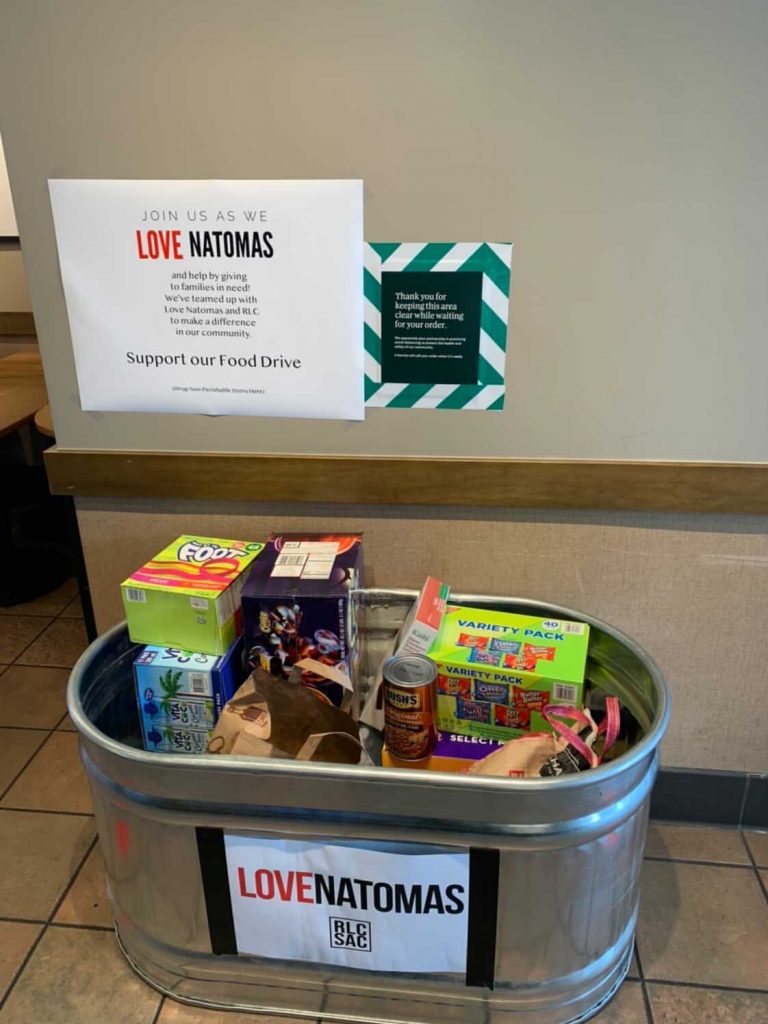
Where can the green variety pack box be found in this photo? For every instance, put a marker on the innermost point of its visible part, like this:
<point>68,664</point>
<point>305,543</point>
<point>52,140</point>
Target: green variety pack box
<point>497,671</point>
<point>188,596</point>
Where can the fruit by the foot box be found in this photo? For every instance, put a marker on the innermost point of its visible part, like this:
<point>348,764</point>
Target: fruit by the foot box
<point>188,596</point>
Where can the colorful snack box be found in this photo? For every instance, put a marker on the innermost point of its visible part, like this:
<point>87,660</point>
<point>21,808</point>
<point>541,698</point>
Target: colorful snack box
<point>183,692</point>
<point>497,671</point>
<point>453,753</point>
<point>298,603</point>
<point>188,596</point>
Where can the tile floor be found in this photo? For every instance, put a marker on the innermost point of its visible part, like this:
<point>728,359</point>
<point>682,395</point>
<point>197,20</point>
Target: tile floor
<point>702,946</point>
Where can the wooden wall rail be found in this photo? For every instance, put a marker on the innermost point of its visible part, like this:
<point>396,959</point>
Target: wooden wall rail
<point>522,483</point>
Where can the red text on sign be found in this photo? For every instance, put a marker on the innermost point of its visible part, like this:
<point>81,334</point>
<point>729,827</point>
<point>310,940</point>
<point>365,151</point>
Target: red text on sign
<point>157,245</point>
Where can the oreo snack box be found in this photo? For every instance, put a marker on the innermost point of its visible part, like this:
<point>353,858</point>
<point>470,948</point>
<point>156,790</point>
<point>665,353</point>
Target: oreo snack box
<point>181,693</point>
<point>298,602</point>
<point>452,753</point>
<point>188,595</point>
<point>497,671</point>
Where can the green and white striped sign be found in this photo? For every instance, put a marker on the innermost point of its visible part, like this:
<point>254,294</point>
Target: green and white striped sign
<point>493,260</point>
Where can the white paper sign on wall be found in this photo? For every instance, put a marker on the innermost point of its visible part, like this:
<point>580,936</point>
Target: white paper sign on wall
<point>219,297</point>
<point>350,906</point>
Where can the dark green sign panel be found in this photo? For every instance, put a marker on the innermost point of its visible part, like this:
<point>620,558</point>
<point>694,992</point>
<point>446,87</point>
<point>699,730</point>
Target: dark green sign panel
<point>430,327</point>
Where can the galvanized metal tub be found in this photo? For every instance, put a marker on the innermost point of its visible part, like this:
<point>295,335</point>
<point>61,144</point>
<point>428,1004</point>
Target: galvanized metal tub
<point>569,849</point>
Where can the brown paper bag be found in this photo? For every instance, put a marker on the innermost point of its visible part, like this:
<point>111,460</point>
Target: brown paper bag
<point>270,717</point>
<point>520,758</point>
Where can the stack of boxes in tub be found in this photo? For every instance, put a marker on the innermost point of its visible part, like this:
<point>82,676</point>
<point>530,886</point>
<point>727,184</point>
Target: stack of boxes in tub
<point>299,604</point>
<point>497,671</point>
<point>184,605</point>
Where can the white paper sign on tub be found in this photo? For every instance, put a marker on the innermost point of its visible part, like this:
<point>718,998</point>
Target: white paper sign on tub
<point>350,906</point>
<point>218,297</point>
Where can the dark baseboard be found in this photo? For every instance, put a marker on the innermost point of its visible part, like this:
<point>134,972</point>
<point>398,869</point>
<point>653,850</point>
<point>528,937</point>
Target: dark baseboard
<point>711,798</point>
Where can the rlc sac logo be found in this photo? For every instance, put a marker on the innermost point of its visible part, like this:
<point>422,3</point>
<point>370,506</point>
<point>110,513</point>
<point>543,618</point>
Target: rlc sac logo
<point>194,551</point>
<point>349,934</point>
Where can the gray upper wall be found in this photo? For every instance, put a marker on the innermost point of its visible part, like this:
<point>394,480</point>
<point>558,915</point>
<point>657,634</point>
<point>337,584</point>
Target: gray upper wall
<point>620,145</point>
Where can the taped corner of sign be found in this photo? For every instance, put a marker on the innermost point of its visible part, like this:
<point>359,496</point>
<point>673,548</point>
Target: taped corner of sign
<point>335,675</point>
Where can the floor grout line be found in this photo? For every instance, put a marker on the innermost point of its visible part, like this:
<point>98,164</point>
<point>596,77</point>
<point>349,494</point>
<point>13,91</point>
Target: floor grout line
<point>77,926</point>
<point>51,732</point>
<point>22,966</point>
<point>647,1003</point>
<point>29,664</point>
<point>42,810</point>
<point>756,869</point>
<point>29,615</point>
<point>761,883</point>
<point>22,920</point>
<point>159,1010</point>
<point>57,727</point>
<point>24,767</point>
<point>706,985</point>
<point>15,661</point>
<point>31,728</point>
<point>639,961</point>
<point>701,863</point>
<point>37,636</point>
<point>71,882</point>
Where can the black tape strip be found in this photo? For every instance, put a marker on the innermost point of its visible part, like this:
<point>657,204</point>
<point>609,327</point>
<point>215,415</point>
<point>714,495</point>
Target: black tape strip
<point>483,908</point>
<point>218,902</point>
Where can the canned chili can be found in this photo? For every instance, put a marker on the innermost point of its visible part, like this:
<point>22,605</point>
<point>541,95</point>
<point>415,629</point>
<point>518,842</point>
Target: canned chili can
<point>410,733</point>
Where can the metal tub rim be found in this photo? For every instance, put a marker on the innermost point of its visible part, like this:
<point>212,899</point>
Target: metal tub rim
<point>642,750</point>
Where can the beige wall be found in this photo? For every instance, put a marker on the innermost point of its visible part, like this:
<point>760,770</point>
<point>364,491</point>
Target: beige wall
<point>14,297</point>
<point>692,590</point>
<point>8,224</point>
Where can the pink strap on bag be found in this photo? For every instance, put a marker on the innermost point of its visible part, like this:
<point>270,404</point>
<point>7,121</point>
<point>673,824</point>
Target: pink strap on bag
<point>554,713</point>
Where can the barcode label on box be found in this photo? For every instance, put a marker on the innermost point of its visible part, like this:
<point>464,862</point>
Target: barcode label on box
<point>576,628</point>
<point>561,691</point>
<point>198,682</point>
<point>306,559</point>
<point>288,565</point>
<point>135,595</point>
<point>318,568</point>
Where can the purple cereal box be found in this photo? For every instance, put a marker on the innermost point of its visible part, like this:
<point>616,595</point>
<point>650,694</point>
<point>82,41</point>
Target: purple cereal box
<point>298,603</point>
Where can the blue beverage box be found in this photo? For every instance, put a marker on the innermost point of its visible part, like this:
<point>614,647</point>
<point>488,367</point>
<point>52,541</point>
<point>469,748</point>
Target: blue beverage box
<point>180,694</point>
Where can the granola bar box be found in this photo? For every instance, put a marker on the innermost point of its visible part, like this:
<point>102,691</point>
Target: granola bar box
<point>498,670</point>
<point>299,602</point>
<point>452,753</point>
<point>188,595</point>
